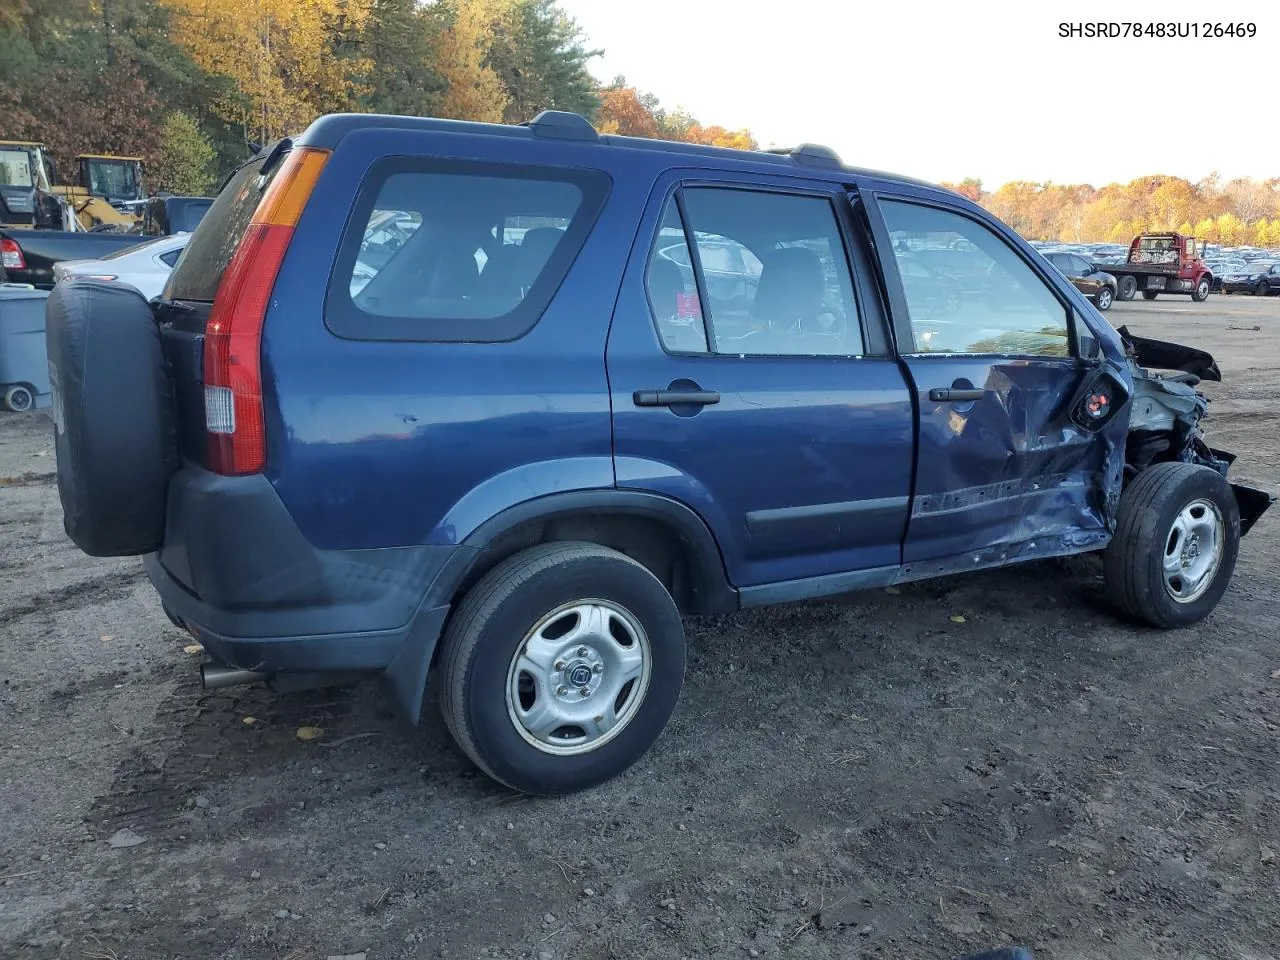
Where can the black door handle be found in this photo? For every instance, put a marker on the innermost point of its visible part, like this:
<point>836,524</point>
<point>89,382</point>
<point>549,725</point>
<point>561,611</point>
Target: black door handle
<point>953,394</point>
<point>674,398</point>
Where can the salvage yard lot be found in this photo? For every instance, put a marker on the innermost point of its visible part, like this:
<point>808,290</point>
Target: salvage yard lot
<point>910,774</point>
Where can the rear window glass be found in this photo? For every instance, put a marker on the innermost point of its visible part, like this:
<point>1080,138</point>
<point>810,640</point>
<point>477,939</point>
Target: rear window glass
<point>214,241</point>
<point>459,250</point>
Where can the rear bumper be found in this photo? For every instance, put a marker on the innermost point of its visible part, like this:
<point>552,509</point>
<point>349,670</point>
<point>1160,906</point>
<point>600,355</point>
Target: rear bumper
<point>237,572</point>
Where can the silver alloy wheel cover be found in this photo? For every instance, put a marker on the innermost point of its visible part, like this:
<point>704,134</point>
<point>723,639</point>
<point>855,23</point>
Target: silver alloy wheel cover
<point>1193,551</point>
<point>1105,293</point>
<point>590,658</point>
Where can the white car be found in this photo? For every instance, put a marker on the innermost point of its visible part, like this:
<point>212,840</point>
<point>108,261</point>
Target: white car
<point>144,265</point>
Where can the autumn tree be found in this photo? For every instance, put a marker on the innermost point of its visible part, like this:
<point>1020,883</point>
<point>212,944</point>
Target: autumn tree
<point>621,111</point>
<point>970,187</point>
<point>1248,199</point>
<point>473,90</point>
<point>284,56</point>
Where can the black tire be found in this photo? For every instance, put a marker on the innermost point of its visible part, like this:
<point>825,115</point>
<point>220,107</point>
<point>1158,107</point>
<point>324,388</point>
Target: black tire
<point>1201,293</point>
<point>1263,289</point>
<point>494,621</point>
<point>1104,299</point>
<point>1133,563</point>
<point>18,399</point>
<point>1126,288</point>
<point>1149,294</point>
<point>113,417</point>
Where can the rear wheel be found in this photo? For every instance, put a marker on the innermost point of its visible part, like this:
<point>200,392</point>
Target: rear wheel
<point>18,398</point>
<point>561,667</point>
<point>1149,294</point>
<point>1126,288</point>
<point>1175,545</point>
<point>1201,293</point>
<point>1104,299</point>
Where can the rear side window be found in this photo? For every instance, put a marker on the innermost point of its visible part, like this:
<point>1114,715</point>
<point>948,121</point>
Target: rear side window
<point>458,250</point>
<point>214,242</point>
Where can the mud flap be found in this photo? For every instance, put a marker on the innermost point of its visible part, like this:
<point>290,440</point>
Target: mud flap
<point>406,676</point>
<point>1253,503</point>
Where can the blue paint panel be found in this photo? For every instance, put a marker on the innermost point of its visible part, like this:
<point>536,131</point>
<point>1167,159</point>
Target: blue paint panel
<point>802,469</point>
<point>377,444</point>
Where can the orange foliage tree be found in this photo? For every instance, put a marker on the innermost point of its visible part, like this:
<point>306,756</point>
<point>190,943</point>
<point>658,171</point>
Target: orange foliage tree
<point>625,110</point>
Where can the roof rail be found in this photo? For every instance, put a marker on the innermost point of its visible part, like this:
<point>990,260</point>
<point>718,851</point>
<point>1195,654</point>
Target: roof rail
<point>810,154</point>
<point>562,125</point>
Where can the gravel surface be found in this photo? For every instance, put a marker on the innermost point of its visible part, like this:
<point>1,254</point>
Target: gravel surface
<point>859,777</point>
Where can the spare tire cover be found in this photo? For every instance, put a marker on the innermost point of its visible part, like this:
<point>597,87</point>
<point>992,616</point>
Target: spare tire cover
<point>113,417</point>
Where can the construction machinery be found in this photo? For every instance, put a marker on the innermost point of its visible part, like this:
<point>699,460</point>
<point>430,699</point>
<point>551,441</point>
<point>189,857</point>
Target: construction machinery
<point>110,194</point>
<point>27,197</point>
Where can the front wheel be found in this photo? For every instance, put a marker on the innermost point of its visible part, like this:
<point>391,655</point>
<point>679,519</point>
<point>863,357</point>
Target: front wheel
<point>1263,289</point>
<point>1149,294</point>
<point>1104,299</point>
<point>1201,293</point>
<point>1128,286</point>
<point>1175,545</point>
<point>561,667</point>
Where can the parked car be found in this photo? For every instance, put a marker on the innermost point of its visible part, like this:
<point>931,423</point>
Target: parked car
<point>29,256</point>
<point>1098,286</point>
<point>518,464</point>
<point>145,266</point>
<point>1261,278</point>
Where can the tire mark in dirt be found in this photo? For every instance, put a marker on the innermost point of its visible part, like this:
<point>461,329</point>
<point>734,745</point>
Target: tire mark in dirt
<point>74,596</point>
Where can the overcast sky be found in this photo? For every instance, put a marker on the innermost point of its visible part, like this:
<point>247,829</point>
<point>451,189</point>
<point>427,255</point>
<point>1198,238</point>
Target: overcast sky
<point>943,89</point>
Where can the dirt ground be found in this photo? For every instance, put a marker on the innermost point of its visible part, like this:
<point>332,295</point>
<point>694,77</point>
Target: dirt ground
<point>863,777</point>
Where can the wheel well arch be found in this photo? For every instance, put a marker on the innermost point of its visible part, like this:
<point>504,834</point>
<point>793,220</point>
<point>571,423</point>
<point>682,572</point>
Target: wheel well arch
<point>672,541</point>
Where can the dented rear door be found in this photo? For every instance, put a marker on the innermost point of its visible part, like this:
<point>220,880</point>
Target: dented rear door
<point>1002,471</point>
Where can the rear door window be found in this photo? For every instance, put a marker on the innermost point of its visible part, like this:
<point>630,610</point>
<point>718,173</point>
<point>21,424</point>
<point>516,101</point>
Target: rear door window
<point>459,250</point>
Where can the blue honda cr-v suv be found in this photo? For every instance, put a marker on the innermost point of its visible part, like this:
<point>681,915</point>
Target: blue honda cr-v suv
<point>504,402</point>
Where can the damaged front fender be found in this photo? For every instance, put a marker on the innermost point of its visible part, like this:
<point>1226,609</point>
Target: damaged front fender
<point>1166,414</point>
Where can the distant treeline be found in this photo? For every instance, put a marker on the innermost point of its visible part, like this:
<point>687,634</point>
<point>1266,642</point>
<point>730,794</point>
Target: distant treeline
<point>1238,212</point>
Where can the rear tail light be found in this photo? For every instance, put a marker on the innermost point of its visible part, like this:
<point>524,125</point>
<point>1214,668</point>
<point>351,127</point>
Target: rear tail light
<point>234,417</point>
<point>11,255</point>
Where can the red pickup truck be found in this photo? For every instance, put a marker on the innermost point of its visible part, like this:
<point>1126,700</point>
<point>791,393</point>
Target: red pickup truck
<point>1163,263</point>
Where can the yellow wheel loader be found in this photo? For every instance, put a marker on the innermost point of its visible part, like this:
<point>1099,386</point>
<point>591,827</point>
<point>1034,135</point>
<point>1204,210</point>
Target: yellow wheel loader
<point>110,194</point>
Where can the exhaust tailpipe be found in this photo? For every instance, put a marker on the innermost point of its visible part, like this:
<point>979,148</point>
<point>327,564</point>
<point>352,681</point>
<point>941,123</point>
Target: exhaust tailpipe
<point>215,675</point>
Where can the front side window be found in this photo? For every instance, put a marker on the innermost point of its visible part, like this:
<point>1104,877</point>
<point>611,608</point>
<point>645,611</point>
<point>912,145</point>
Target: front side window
<point>773,271</point>
<point>459,250</point>
<point>983,299</point>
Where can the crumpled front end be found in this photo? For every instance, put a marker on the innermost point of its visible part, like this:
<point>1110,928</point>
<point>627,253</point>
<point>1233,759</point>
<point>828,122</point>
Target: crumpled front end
<point>1166,414</point>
